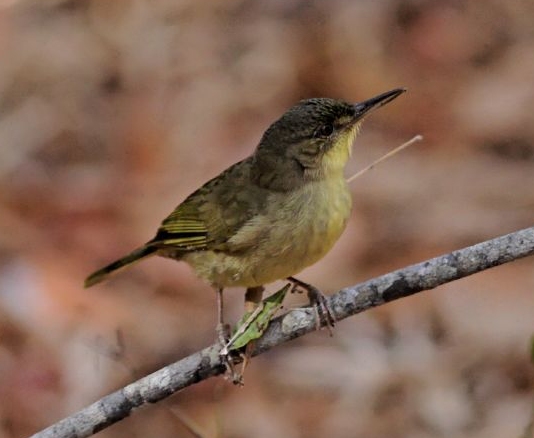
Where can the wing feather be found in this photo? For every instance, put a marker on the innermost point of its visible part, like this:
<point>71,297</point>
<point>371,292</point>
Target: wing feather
<point>211,218</point>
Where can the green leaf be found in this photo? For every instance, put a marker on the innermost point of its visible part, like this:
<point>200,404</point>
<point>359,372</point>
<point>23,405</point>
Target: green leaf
<point>253,324</point>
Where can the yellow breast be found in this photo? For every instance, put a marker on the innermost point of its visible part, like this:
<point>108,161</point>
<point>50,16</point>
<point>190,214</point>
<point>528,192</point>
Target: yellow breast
<point>296,231</point>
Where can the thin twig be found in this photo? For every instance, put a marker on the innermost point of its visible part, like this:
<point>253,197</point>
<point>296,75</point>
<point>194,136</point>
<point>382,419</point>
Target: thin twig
<point>385,157</point>
<point>349,301</point>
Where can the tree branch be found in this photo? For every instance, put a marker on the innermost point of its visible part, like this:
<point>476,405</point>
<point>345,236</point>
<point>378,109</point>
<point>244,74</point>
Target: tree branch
<point>349,301</point>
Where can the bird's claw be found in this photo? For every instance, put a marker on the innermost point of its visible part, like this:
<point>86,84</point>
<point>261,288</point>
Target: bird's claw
<point>323,314</point>
<point>228,359</point>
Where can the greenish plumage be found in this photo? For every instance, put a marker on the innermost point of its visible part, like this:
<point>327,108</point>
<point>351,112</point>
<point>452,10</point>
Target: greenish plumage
<point>269,216</point>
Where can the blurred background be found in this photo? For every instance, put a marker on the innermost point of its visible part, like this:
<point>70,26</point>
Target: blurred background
<point>112,112</point>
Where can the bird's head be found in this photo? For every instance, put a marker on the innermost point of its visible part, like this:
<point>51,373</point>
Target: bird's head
<point>312,140</point>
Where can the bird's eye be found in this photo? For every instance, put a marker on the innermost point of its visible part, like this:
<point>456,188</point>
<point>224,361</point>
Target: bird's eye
<point>324,131</point>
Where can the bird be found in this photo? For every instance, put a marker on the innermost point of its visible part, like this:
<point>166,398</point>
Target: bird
<point>272,214</point>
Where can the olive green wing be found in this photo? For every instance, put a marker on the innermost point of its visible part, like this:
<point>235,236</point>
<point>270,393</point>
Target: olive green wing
<point>211,216</point>
<point>183,229</point>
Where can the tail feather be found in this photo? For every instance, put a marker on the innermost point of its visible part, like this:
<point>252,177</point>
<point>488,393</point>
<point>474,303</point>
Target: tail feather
<point>134,256</point>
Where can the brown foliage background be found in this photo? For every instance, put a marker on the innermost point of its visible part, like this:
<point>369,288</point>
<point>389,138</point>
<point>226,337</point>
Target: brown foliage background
<point>111,112</point>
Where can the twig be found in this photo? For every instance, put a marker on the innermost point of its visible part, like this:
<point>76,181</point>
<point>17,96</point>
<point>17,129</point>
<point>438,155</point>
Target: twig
<point>349,301</point>
<point>385,157</point>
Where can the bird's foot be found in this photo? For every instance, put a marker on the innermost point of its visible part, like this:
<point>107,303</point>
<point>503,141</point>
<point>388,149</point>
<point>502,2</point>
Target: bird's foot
<point>233,373</point>
<point>323,314</point>
<point>230,348</point>
<point>229,358</point>
<point>250,328</point>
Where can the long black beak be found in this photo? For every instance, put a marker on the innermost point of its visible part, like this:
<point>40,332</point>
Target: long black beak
<point>365,107</point>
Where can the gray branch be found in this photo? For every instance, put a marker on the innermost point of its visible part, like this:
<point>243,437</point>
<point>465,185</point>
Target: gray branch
<point>346,302</point>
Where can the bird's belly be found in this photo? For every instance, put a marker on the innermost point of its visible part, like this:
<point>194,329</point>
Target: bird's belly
<point>287,245</point>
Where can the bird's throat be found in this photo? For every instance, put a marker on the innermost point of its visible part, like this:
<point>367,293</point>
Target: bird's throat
<point>336,158</point>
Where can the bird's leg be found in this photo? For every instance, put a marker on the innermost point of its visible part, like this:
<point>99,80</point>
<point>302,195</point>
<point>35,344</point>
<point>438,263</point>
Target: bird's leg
<point>318,300</point>
<point>222,335</point>
<point>253,297</point>
<point>221,329</point>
